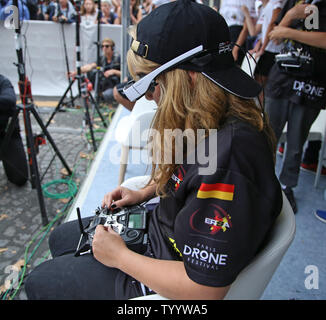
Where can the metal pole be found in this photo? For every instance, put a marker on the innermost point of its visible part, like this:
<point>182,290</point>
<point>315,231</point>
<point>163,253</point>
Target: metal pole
<point>125,38</point>
<point>19,48</point>
<point>67,60</point>
<point>78,59</point>
<point>98,53</point>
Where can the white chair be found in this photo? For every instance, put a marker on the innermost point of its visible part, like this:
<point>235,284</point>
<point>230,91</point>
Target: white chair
<point>317,132</point>
<point>252,281</point>
<point>136,183</point>
<point>130,131</point>
<point>320,124</point>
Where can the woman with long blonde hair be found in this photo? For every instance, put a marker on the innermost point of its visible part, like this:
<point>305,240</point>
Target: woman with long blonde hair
<point>184,91</point>
<point>219,196</point>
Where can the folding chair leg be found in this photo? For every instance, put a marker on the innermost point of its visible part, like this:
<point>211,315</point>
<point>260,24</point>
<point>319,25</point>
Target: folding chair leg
<point>320,163</point>
<point>123,163</point>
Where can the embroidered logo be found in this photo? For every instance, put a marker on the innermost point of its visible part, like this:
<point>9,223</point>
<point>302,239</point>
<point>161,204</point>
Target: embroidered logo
<point>212,222</point>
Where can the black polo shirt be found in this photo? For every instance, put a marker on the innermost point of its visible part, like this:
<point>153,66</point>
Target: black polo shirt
<point>216,215</point>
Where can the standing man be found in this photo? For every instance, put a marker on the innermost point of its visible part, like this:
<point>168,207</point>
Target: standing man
<point>296,95</point>
<point>13,157</point>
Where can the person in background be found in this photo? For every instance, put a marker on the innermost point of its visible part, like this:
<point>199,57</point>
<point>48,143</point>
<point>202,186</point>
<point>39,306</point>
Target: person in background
<point>23,10</point>
<point>296,95</point>
<point>50,10</point>
<point>270,13</point>
<point>64,12</point>
<point>157,3</point>
<point>120,98</point>
<point>42,9</point>
<point>320,215</point>
<point>108,15</point>
<point>135,13</point>
<point>146,7</point>
<point>3,3</point>
<point>32,6</point>
<point>232,13</point>
<point>266,50</point>
<point>13,157</point>
<point>310,157</point>
<point>110,74</point>
<point>116,5</point>
<point>88,13</point>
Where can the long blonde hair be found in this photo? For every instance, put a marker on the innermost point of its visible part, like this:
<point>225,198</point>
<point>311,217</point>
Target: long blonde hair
<point>199,105</point>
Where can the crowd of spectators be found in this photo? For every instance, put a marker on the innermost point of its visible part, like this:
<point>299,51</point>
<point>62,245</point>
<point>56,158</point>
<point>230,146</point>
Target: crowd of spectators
<point>65,10</point>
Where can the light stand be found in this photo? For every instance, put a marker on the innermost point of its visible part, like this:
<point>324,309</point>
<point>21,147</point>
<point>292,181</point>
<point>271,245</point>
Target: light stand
<point>66,55</point>
<point>82,82</point>
<point>28,108</point>
<point>98,55</point>
<point>125,39</point>
<point>72,99</point>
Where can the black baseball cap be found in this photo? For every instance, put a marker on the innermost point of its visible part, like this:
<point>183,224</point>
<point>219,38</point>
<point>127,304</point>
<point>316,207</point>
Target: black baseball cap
<point>179,26</point>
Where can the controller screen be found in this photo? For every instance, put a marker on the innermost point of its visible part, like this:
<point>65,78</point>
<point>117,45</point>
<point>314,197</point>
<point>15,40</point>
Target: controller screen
<point>135,221</point>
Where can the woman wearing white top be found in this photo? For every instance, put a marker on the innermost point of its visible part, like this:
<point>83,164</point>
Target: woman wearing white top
<point>265,49</point>
<point>234,17</point>
<point>88,13</point>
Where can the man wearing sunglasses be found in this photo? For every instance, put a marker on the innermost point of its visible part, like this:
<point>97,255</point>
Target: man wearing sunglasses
<point>110,67</point>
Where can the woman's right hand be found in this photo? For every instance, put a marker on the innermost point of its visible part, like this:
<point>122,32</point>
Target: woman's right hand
<point>122,197</point>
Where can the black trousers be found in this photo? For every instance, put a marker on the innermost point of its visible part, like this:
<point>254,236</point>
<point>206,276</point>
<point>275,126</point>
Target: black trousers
<point>299,120</point>
<point>66,277</point>
<point>14,161</point>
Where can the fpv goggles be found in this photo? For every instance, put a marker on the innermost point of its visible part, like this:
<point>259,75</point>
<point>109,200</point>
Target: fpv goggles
<point>136,89</point>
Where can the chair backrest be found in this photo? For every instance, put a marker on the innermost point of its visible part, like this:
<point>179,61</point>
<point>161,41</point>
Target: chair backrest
<point>143,105</point>
<point>136,183</point>
<point>252,281</point>
<point>132,130</point>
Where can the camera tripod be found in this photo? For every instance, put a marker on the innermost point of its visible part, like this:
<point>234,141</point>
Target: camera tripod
<point>28,109</point>
<point>82,87</point>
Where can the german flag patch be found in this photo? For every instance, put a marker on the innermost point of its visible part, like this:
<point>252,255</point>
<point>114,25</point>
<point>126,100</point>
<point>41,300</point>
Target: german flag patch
<point>220,191</point>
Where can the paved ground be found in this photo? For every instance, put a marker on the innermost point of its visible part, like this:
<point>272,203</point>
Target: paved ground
<point>23,238</point>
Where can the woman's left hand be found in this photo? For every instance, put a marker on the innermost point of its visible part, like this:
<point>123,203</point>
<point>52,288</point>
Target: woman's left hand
<point>108,246</point>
